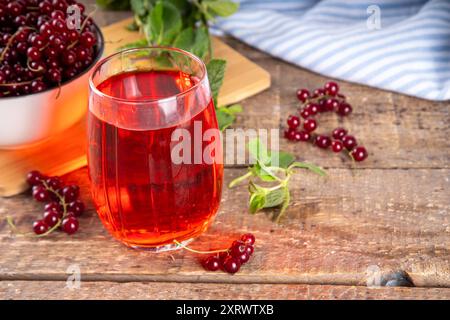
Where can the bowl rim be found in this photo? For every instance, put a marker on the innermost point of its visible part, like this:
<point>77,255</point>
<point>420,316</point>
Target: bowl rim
<point>101,49</point>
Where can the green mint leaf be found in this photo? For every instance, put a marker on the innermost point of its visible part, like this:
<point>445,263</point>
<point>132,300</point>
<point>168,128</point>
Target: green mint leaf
<point>256,202</point>
<point>185,39</point>
<point>281,159</point>
<point>201,43</point>
<point>224,119</point>
<point>164,23</point>
<point>233,109</point>
<point>308,166</point>
<point>275,197</point>
<point>258,151</point>
<point>222,8</point>
<point>139,7</point>
<point>216,73</point>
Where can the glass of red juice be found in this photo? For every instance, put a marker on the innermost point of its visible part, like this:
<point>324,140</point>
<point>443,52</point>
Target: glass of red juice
<point>149,108</point>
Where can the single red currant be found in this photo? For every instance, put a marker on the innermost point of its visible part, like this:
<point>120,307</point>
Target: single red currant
<point>339,133</point>
<point>34,178</point>
<point>231,264</point>
<point>302,95</point>
<point>344,109</point>
<point>349,142</point>
<point>359,154</point>
<point>337,146</point>
<point>40,193</point>
<point>304,136</point>
<point>212,263</point>
<point>310,125</point>
<point>248,238</point>
<point>70,225</point>
<point>51,218</point>
<point>323,141</point>
<point>40,227</point>
<point>70,193</point>
<point>331,88</point>
<point>293,121</point>
<point>77,207</point>
<point>331,104</point>
<point>305,113</point>
<point>312,108</point>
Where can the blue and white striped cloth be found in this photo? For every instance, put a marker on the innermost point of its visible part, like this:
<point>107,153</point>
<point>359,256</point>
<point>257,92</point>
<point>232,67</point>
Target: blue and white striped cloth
<point>408,51</point>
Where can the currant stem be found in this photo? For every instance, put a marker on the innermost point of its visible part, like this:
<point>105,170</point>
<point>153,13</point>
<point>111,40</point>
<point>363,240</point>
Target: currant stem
<point>198,251</point>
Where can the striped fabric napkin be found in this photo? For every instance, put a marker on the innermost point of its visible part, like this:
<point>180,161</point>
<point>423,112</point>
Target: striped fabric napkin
<point>397,45</point>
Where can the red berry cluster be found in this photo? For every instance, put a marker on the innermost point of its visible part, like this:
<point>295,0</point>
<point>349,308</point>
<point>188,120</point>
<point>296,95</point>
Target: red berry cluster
<point>233,258</point>
<point>322,100</point>
<point>62,206</point>
<point>39,49</point>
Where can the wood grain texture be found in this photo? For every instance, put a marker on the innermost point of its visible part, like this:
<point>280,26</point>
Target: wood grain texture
<point>336,228</point>
<point>51,290</point>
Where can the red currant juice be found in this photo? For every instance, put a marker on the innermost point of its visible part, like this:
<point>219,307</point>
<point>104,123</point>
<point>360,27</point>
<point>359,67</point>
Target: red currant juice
<point>141,196</point>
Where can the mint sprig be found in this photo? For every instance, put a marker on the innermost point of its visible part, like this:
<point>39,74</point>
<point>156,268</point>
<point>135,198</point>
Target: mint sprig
<point>274,169</point>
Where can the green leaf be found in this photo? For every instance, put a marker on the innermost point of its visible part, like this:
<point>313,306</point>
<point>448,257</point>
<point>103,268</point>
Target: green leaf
<point>222,8</point>
<point>258,151</point>
<point>233,109</point>
<point>284,159</point>
<point>185,39</point>
<point>138,7</point>
<point>256,202</point>
<point>275,197</point>
<point>201,43</point>
<point>224,119</point>
<point>164,23</point>
<point>308,166</point>
<point>216,73</point>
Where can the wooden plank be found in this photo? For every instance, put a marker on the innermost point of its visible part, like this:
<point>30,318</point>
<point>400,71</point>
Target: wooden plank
<point>336,229</point>
<point>49,290</point>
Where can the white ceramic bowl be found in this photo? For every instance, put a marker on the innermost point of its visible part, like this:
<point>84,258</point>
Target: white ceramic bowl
<point>30,119</point>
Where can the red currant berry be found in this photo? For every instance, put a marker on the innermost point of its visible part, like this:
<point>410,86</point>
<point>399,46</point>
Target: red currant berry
<point>359,154</point>
<point>305,113</point>
<point>54,207</point>
<point>231,264</point>
<point>51,218</point>
<point>87,39</point>
<point>312,108</point>
<point>290,134</point>
<point>40,193</point>
<point>331,88</point>
<point>318,93</point>
<point>77,207</point>
<point>212,263</point>
<point>293,121</point>
<point>349,142</point>
<point>34,178</point>
<point>40,227</point>
<point>70,225</point>
<point>70,193</point>
<point>337,146</point>
<point>310,125</point>
<point>248,239</point>
<point>237,248</point>
<point>249,249</point>
<point>331,104</point>
<point>243,258</point>
<point>323,142</point>
<point>304,136</point>
<point>339,133</point>
<point>54,183</point>
<point>344,109</point>
<point>302,95</point>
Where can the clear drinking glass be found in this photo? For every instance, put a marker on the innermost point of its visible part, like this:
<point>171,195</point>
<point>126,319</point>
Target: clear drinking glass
<point>154,154</point>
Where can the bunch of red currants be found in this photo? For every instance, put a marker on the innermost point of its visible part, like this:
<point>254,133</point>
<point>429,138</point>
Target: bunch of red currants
<point>41,46</point>
<point>62,207</point>
<point>326,99</point>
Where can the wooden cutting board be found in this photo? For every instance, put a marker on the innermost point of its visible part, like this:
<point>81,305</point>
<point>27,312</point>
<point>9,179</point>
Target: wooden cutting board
<point>66,152</point>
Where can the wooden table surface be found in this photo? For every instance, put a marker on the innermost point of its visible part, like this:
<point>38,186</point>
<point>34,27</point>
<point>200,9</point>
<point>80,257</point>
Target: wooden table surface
<point>390,212</point>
